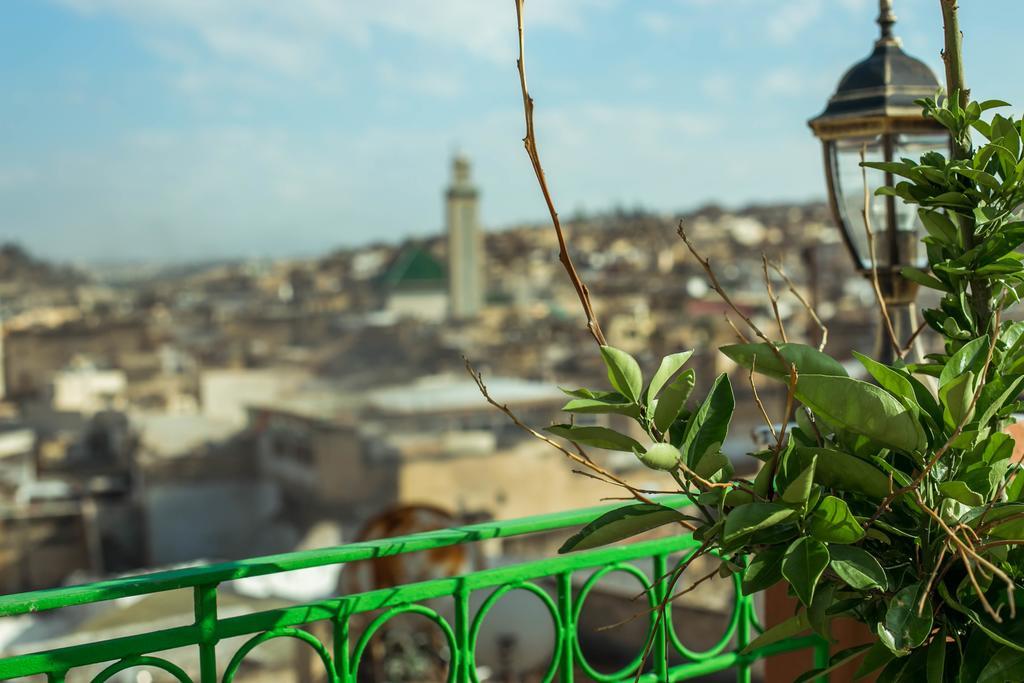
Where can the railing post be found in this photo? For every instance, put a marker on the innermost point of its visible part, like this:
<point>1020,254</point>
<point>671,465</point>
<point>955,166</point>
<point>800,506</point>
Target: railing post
<point>568,634</point>
<point>745,605</point>
<point>660,589</point>
<point>342,658</point>
<point>462,658</point>
<point>205,598</point>
<point>821,657</point>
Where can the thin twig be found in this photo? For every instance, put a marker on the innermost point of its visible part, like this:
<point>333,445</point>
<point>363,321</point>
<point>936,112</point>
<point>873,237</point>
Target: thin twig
<point>807,306</point>
<point>591,475</point>
<point>699,552</point>
<point>530,142</point>
<point>774,300</point>
<point>977,589</point>
<point>693,586</point>
<point>931,579</point>
<point>757,399</point>
<point>641,613</point>
<point>705,264</point>
<point>874,264</point>
<point>966,550</point>
<point>739,335</point>
<point>910,342</point>
<point>790,399</point>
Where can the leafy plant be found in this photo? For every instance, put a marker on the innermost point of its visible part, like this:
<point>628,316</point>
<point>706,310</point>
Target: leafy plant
<point>893,501</point>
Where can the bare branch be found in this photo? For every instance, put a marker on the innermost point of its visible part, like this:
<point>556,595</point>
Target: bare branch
<point>910,341</point>
<point>931,579</point>
<point>773,299</point>
<point>757,399</point>
<point>866,212</point>
<point>705,264</point>
<point>739,335</point>
<point>530,142</point>
<point>966,550</point>
<point>810,309</point>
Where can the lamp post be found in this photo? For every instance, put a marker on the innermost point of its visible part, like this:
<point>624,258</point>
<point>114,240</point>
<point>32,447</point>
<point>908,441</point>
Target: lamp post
<point>873,112</point>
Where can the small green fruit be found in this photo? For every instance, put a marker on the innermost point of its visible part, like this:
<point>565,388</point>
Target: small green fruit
<point>661,456</point>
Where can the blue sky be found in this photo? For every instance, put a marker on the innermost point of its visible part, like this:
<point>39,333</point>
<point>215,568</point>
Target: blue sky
<point>191,129</point>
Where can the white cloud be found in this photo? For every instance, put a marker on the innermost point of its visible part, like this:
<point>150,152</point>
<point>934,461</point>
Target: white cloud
<point>291,35</point>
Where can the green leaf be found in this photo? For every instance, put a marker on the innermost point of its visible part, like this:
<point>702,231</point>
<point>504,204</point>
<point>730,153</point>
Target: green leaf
<point>993,104</point>
<point>1015,491</point>
<point>622,523</point>
<point>838,470</point>
<point>714,466</point>
<point>878,655</point>
<point>799,489</point>
<point>670,365</point>
<point>905,669</point>
<point>832,522</point>
<point>936,667</point>
<point>587,401</point>
<point>752,517</point>
<point>623,372</point>
<point>803,564</point>
<point>904,629</point>
<point>598,437</point>
<point>661,456</point>
<point>784,630</point>
<point>709,426</point>
<point>996,394</point>
<point>957,397</point>
<point>1006,665</point>
<point>672,399</point>
<point>924,279</point>
<point>762,358</point>
<point>960,491</point>
<point>979,651</point>
<point>970,356</point>
<point>939,226</point>
<point>892,381</point>
<point>1009,633</point>
<point>604,403</point>
<point>817,611</point>
<point>836,661</point>
<point>764,571</point>
<point>864,409</point>
<point>1006,521</point>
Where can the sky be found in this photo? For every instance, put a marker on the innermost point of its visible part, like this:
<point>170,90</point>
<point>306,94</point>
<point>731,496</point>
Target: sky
<point>175,130</point>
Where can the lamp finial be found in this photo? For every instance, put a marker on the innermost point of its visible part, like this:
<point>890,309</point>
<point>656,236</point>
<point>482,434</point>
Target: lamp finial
<point>886,20</point>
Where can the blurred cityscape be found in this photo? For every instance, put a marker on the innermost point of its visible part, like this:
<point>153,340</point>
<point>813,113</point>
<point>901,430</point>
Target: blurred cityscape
<point>161,416</point>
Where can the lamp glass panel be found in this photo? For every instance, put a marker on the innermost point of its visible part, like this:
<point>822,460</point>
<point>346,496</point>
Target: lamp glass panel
<point>849,184</point>
<point>848,180</point>
<point>907,221</point>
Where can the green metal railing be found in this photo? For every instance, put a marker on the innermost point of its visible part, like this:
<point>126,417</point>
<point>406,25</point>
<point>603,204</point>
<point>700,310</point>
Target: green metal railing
<point>341,658</point>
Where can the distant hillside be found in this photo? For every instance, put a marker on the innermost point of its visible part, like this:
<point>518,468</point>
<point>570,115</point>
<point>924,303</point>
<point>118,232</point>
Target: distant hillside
<point>21,269</point>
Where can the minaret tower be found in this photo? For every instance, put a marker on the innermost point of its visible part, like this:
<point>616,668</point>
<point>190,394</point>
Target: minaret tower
<point>465,243</point>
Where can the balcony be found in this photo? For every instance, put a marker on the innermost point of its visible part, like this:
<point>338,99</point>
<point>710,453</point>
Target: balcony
<point>339,630</point>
